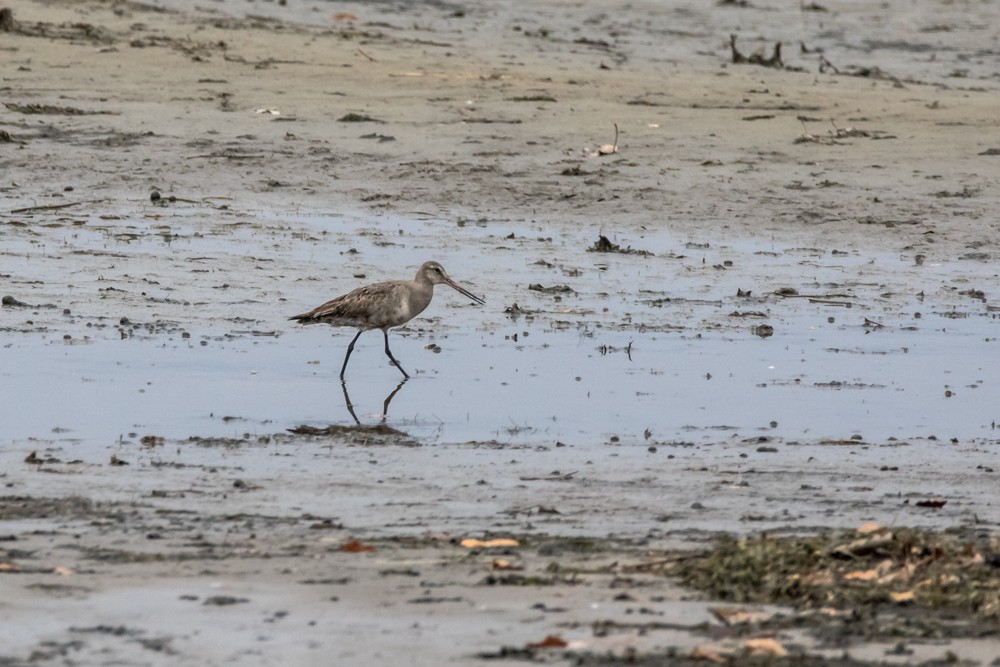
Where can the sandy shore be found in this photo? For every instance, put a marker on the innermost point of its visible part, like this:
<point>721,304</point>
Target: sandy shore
<point>295,153</point>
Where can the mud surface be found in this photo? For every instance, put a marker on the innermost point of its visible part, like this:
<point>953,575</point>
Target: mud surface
<point>723,299</point>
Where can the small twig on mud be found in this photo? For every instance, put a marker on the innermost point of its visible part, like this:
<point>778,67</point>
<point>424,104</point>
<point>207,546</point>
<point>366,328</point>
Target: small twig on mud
<point>550,478</point>
<point>51,207</point>
<point>366,55</point>
<point>828,302</point>
<point>539,509</point>
<point>828,299</point>
<point>227,156</point>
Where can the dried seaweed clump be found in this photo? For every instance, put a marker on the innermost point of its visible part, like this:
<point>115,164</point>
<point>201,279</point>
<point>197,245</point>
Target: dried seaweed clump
<point>604,244</point>
<point>902,567</point>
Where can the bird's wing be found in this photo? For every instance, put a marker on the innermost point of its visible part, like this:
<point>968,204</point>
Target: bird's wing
<point>361,307</point>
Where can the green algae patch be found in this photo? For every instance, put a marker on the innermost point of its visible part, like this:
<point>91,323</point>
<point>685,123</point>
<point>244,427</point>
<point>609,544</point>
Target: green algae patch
<point>872,567</point>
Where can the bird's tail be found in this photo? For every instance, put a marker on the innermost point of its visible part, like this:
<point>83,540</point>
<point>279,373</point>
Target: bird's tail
<point>302,318</point>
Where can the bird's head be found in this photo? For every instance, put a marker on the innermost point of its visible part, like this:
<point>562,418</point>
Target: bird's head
<point>435,273</point>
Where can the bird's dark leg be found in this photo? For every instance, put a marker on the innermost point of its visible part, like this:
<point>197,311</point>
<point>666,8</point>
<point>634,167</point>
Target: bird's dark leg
<point>385,333</point>
<point>350,348</point>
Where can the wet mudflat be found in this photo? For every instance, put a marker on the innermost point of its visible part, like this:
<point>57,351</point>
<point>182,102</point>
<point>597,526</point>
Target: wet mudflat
<point>731,397</point>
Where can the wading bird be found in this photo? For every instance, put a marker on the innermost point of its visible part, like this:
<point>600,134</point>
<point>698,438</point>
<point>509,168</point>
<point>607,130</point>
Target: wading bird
<point>383,306</point>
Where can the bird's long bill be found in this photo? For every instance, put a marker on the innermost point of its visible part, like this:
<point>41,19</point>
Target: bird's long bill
<point>451,283</point>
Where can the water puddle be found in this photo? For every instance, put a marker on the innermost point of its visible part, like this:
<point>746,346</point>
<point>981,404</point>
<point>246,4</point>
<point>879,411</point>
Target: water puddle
<point>600,348</point>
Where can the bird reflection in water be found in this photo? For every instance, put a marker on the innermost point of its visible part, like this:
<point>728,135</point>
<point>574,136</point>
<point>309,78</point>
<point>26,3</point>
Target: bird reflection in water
<point>385,403</point>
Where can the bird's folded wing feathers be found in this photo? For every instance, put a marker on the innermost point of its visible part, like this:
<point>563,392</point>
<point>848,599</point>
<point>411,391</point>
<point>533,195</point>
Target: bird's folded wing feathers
<point>355,307</point>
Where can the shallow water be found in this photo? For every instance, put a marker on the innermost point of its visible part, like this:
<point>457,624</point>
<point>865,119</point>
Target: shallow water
<point>478,389</point>
<point>645,349</point>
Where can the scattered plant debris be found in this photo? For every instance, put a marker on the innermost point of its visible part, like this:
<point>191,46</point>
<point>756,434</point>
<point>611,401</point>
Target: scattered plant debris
<point>490,121</point>
<point>533,98</point>
<point>14,303</point>
<point>609,349</point>
<point>68,31</point>
<point>965,193</point>
<point>555,476</point>
<point>838,133</point>
<point>757,57</point>
<point>337,429</point>
<point>515,311</point>
<point>550,641</point>
<point>812,7</point>
<point>355,546</point>
<point>472,543</point>
<point>50,109</point>
<point>223,600</point>
<point>554,289</point>
<point>34,459</point>
<point>358,118</point>
<point>604,244</point>
<point>852,570</point>
<point>863,72</point>
<point>7,22</point>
